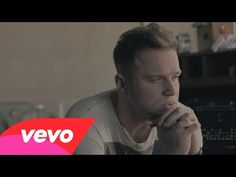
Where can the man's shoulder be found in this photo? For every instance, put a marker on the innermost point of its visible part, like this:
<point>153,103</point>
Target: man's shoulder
<point>88,105</point>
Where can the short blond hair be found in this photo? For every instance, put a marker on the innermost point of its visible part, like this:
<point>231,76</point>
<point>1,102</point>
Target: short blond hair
<point>151,36</point>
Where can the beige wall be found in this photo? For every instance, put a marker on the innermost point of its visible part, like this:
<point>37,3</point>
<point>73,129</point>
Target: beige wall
<point>62,62</point>
<point>56,61</point>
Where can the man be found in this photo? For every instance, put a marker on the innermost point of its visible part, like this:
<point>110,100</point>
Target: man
<point>143,115</point>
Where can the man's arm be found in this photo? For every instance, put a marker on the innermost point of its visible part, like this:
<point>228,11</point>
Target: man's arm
<point>200,152</point>
<point>92,143</point>
<point>196,143</point>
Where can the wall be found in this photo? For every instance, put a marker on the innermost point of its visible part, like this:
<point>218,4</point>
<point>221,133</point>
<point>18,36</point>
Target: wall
<point>62,62</point>
<point>59,62</point>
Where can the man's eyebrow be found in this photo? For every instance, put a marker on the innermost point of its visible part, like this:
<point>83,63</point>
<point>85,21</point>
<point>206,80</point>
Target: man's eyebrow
<point>177,73</point>
<point>149,75</point>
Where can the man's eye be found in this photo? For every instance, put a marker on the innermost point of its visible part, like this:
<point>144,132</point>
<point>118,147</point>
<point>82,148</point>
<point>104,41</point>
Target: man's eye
<point>156,79</point>
<point>175,77</point>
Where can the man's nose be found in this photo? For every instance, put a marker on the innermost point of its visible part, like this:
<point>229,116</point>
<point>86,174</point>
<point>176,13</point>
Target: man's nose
<point>169,88</point>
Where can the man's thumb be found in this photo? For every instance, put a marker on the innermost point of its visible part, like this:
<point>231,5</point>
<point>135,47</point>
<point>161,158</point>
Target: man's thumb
<point>193,128</point>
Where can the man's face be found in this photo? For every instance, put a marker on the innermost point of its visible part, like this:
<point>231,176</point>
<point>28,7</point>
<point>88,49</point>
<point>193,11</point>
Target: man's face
<point>154,86</point>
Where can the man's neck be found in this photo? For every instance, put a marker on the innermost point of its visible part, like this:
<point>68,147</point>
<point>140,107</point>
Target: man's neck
<point>138,127</point>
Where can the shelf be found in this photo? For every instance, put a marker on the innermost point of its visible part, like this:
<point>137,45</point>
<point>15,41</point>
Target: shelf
<point>207,53</point>
<point>208,82</point>
<point>208,69</point>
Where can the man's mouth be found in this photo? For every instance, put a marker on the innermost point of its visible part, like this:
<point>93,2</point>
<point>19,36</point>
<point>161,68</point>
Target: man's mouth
<point>170,105</point>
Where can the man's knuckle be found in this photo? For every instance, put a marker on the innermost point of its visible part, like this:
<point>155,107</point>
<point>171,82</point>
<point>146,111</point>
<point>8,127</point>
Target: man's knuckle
<point>178,110</point>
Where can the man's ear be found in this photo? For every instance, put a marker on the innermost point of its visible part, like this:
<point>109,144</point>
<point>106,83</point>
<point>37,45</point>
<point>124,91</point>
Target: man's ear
<point>121,83</point>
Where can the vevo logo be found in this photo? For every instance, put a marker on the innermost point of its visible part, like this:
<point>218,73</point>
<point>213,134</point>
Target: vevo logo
<point>40,136</point>
<point>45,136</point>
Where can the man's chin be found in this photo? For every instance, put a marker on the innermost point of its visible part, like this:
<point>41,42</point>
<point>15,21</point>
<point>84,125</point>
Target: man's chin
<point>155,115</point>
<point>162,111</point>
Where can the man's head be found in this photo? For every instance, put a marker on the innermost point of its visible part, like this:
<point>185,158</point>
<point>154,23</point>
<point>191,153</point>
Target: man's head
<point>148,69</point>
<point>136,40</point>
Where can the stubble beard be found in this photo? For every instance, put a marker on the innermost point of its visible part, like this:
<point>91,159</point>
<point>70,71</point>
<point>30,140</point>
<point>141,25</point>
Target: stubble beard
<point>139,111</point>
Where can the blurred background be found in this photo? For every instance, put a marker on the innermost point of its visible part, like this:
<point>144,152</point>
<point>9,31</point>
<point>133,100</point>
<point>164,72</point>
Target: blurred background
<point>56,64</point>
<point>45,67</point>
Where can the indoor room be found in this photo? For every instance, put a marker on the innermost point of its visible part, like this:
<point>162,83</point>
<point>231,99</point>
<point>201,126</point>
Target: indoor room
<point>46,67</point>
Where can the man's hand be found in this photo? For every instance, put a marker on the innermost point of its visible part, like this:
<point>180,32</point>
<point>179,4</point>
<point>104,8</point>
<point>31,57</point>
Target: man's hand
<point>179,131</point>
<point>196,142</point>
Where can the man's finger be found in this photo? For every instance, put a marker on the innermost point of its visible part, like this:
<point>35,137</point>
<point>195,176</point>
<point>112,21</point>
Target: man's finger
<point>193,128</point>
<point>158,121</point>
<point>173,117</point>
<point>183,122</point>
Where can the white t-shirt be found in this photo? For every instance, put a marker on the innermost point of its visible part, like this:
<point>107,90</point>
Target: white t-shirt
<point>107,135</point>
